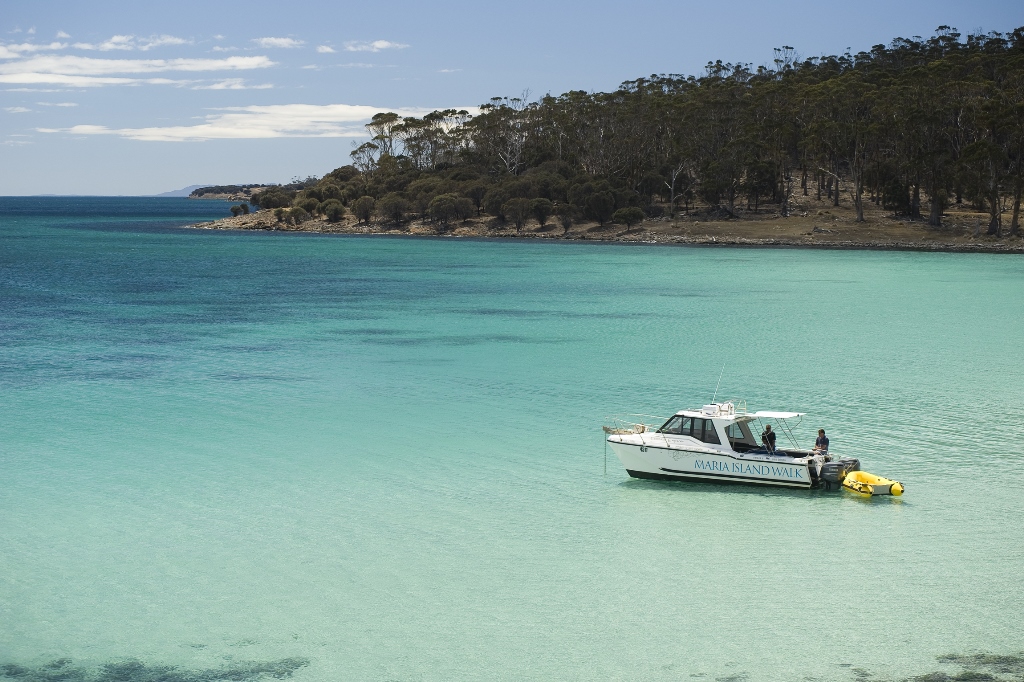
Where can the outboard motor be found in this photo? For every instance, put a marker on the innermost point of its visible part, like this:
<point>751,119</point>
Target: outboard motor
<point>850,464</point>
<point>833,473</point>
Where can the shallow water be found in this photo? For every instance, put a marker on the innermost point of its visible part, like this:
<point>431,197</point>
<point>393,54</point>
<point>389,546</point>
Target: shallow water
<point>382,457</point>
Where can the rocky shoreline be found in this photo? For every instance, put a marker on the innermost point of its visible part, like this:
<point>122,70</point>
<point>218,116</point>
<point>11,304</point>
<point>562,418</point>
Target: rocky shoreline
<point>731,233</point>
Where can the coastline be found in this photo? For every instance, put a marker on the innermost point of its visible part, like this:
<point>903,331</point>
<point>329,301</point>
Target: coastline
<point>889,234</point>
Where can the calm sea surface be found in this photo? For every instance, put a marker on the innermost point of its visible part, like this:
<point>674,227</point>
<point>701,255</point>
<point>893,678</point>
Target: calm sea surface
<point>382,457</point>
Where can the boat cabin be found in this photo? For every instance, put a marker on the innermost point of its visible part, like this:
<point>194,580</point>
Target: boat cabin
<point>721,424</point>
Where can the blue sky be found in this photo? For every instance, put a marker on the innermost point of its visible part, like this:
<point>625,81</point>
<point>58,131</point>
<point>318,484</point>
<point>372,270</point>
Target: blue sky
<point>140,98</point>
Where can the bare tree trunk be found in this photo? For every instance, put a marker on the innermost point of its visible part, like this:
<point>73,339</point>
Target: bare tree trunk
<point>915,201</point>
<point>995,225</point>
<point>787,181</point>
<point>1015,221</point>
<point>935,210</point>
<point>803,181</point>
<point>828,187</point>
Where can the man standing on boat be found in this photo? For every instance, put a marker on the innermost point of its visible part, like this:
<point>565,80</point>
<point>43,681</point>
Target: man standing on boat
<point>821,443</point>
<point>768,438</point>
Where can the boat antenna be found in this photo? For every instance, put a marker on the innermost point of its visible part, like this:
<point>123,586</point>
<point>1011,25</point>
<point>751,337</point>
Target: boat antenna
<point>719,384</point>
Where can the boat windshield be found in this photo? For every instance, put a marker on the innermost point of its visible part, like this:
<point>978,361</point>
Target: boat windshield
<point>674,425</point>
<point>701,429</point>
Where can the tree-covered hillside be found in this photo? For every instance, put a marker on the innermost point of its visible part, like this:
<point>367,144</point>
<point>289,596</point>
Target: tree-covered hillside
<point>915,126</point>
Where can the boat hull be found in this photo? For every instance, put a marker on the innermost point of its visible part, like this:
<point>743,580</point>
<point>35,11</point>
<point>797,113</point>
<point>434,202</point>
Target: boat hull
<point>660,463</point>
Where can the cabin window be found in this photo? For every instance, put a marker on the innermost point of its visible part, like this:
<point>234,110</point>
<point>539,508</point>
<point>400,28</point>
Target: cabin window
<point>675,425</point>
<point>710,434</point>
<point>739,434</point>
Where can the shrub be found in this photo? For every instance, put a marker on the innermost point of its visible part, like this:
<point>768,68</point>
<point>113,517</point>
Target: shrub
<point>494,202</point>
<point>236,211</point>
<point>601,206</point>
<point>518,211</point>
<point>279,214</point>
<point>362,208</point>
<point>442,208</point>
<point>275,197</point>
<point>392,207</point>
<point>567,215</point>
<point>245,208</point>
<point>333,209</point>
<point>309,204</point>
<point>298,215</point>
<point>447,207</point>
<point>629,216</point>
<point>328,192</point>
<point>541,210</point>
<point>464,208</point>
<point>476,191</point>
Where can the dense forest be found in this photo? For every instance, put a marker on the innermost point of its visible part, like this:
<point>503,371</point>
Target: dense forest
<point>915,127</point>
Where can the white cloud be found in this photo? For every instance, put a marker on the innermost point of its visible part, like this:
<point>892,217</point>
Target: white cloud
<point>218,48</point>
<point>218,37</point>
<point>71,70</point>
<point>13,51</point>
<point>449,70</point>
<point>57,104</point>
<point>373,46</point>
<point>16,110</point>
<point>130,42</point>
<point>62,34</point>
<point>113,43</point>
<point>232,84</point>
<point>279,42</point>
<point>325,49</point>
<point>31,31</point>
<point>36,90</point>
<point>256,122</point>
<point>160,41</point>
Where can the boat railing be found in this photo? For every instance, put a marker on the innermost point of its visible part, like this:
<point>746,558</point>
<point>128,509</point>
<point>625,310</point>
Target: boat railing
<point>632,423</point>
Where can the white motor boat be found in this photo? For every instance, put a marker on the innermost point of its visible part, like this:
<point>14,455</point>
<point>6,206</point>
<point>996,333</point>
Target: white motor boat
<point>716,443</point>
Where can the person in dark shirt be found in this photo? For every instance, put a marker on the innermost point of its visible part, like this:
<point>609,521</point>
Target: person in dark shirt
<point>821,443</point>
<point>768,438</point>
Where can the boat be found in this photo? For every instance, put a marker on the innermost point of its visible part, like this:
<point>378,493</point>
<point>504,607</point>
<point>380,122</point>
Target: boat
<point>716,443</point>
<point>864,484</point>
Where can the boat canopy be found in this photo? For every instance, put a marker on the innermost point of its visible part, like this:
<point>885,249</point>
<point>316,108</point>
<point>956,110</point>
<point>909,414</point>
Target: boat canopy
<point>726,411</point>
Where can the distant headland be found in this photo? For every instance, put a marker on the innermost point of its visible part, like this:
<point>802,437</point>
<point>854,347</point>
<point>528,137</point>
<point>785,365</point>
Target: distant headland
<point>914,144</point>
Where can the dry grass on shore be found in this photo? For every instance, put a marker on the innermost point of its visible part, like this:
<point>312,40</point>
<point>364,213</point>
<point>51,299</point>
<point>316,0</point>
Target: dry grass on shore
<point>812,223</point>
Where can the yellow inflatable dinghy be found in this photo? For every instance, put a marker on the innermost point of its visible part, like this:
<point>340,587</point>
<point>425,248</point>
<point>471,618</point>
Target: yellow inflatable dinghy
<point>865,484</point>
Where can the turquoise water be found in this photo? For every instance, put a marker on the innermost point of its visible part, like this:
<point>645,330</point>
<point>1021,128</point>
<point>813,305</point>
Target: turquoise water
<point>383,456</point>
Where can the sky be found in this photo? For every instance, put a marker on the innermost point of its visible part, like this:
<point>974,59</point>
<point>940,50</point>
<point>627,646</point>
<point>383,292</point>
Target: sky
<point>135,98</point>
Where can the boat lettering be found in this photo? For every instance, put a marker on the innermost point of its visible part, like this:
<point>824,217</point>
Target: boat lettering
<point>747,468</point>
